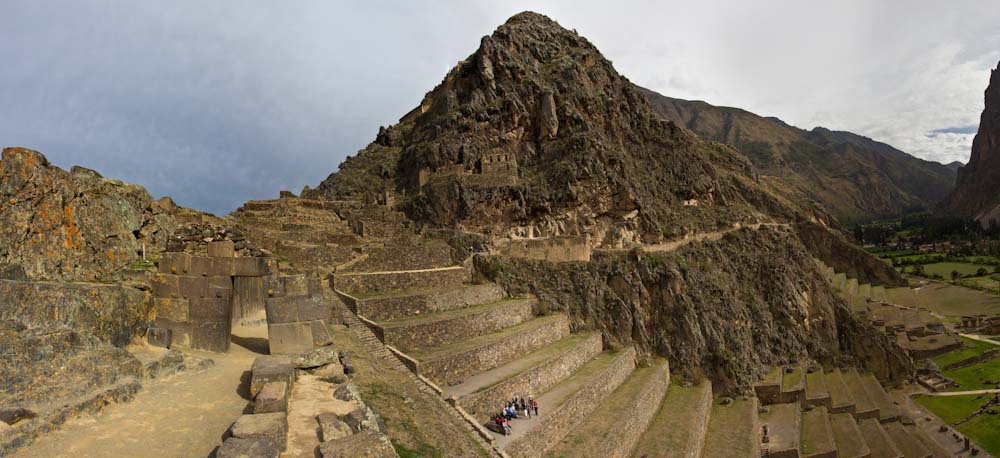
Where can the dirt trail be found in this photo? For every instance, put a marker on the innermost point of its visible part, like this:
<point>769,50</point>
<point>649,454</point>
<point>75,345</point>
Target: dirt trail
<point>184,415</point>
<point>716,235</point>
<point>310,397</point>
<point>963,393</point>
<point>980,338</point>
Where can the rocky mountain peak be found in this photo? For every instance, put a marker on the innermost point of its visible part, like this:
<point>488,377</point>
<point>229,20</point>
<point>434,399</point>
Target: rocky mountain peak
<point>536,133</point>
<point>975,193</point>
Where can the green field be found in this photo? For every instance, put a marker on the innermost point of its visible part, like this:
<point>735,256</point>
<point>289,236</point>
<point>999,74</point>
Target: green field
<point>971,378</point>
<point>944,269</point>
<point>983,429</point>
<point>972,348</point>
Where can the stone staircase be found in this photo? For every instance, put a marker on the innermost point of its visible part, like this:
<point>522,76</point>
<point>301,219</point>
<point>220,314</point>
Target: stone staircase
<point>480,349</point>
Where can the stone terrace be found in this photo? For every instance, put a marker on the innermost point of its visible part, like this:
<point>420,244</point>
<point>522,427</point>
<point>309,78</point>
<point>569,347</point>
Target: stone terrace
<point>679,428</point>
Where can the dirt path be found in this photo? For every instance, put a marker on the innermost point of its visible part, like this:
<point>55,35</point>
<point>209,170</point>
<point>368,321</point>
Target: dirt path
<point>964,393</point>
<point>184,415</point>
<point>310,397</point>
<point>980,338</point>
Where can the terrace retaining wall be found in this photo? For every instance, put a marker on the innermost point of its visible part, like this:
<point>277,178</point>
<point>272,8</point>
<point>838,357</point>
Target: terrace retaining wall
<point>448,331</point>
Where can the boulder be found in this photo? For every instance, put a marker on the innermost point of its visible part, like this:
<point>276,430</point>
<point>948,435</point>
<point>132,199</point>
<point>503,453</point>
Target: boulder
<point>317,357</point>
<point>235,447</point>
<point>332,373</point>
<point>367,444</point>
<point>269,426</point>
<point>332,427</point>
<point>270,369</point>
<point>273,397</point>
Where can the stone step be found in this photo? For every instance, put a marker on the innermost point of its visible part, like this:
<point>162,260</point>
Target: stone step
<point>936,450</point>
<point>534,373</point>
<point>446,328</point>
<point>793,385</point>
<point>451,364</point>
<point>567,404</point>
<point>733,430</point>
<point>769,389</point>
<point>784,425</point>
<point>816,391</point>
<point>373,282</point>
<point>621,417</point>
<point>679,427</point>
<point>817,435</point>
<point>878,441</point>
<point>400,304</point>
<point>840,396</point>
<point>864,407</point>
<point>847,436</point>
<point>906,442</point>
<point>888,410</point>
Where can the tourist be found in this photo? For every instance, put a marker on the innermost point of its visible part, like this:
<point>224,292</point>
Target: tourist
<point>534,404</point>
<point>524,408</point>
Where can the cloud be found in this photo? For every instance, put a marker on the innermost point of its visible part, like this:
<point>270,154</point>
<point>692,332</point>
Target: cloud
<point>954,130</point>
<point>215,103</point>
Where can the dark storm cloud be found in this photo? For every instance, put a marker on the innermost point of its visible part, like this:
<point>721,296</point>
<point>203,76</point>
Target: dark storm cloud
<point>218,102</point>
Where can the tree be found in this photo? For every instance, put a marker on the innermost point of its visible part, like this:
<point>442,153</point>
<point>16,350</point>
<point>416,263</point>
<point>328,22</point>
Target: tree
<point>981,272</point>
<point>918,269</point>
<point>955,275</point>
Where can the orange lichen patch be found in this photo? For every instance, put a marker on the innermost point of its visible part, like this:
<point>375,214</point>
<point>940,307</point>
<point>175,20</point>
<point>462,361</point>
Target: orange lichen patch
<point>73,239</point>
<point>111,254</point>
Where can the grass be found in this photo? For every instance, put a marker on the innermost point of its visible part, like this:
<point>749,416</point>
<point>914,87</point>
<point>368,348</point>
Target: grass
<point>971,348</point>
<point>672,426</point>
<point>450,314</point>
<point>792,381</point>
<point>971,378</point>
<point>815,385</point>
<point>945,269</point>
<point>982,429</point>
<point>731,430</point>
<point>875,437</point>
<point>946,299</point>
<point>845,434</point>
<point>543,354</point>
<point>815,436</point>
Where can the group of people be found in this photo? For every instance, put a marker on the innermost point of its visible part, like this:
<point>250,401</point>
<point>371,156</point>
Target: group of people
<point>516,408</point>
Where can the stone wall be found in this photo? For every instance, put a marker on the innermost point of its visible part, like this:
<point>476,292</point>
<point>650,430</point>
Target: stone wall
<point>533,380</point>
<point>452,369</point>
<point>195,294</point>
<point>388,281</point>
<point>447,331</point>
<point>552,249</point>
<point>985,356</point>
<point>112,313</point>
<point>393,307</point>
<point>700,422</point>
<point>627,432</point>
<point>553,426</point>
<point>392,257</point>
<point>297,322</point>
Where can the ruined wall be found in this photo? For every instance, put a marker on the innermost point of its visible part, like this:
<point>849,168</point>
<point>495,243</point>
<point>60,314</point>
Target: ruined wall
<point>111,313</point>
<point>483,404</point>
<point>551,249</point>
<point>455,368</point>
<point>557,423</point>
<point>392,307</point>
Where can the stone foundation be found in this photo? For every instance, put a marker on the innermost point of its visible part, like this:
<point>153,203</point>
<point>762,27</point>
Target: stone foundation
<point>536,379</point>
<point>452,369</point>
<point>557,423</point>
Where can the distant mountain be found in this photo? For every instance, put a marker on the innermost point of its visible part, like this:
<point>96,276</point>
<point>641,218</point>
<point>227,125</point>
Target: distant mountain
<point>855,178</point>
<point>976,193</point>
<point>954,165</point>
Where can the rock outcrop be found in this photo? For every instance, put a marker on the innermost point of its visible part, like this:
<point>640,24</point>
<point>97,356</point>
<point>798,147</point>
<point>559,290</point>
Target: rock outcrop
<point>72,226</point>
<point>975,195</point>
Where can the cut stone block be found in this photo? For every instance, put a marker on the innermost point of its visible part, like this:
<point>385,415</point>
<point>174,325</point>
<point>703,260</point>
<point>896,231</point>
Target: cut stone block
<point>320,333</point>
<point>209,309</point>
<point>235,447</point>
<point>289,337</point>
<point>221,249</point>
<point>313,307</point>
<point>200,266</point>
<point>222,266</point>
<point>180,331</point>
<point>362,445</point>
<point>250,267</point>
<point>165,285</point>
<point>295,285</point>
<point>211,336</point>
<point>272,398</point>
<point>332,427</point>
<point>316,357</point>
<point>282,309</point>
<point>174,263</point>
<point>270,369</point>
<point>272,426</point>
<point>172,308</point>
<point>158,337</point>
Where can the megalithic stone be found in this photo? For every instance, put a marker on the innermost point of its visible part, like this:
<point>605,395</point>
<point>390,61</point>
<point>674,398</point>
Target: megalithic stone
<point>221,249</point>
<point>211,336</point>
<point>286,338</point>
<point>174,263</point>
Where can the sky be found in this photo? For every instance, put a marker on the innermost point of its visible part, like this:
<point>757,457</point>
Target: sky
<point>215,103</point>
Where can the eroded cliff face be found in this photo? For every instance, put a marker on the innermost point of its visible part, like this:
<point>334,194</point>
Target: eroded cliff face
<point>976,192</point>
<point>726,309</point>
<point>72,226</point>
